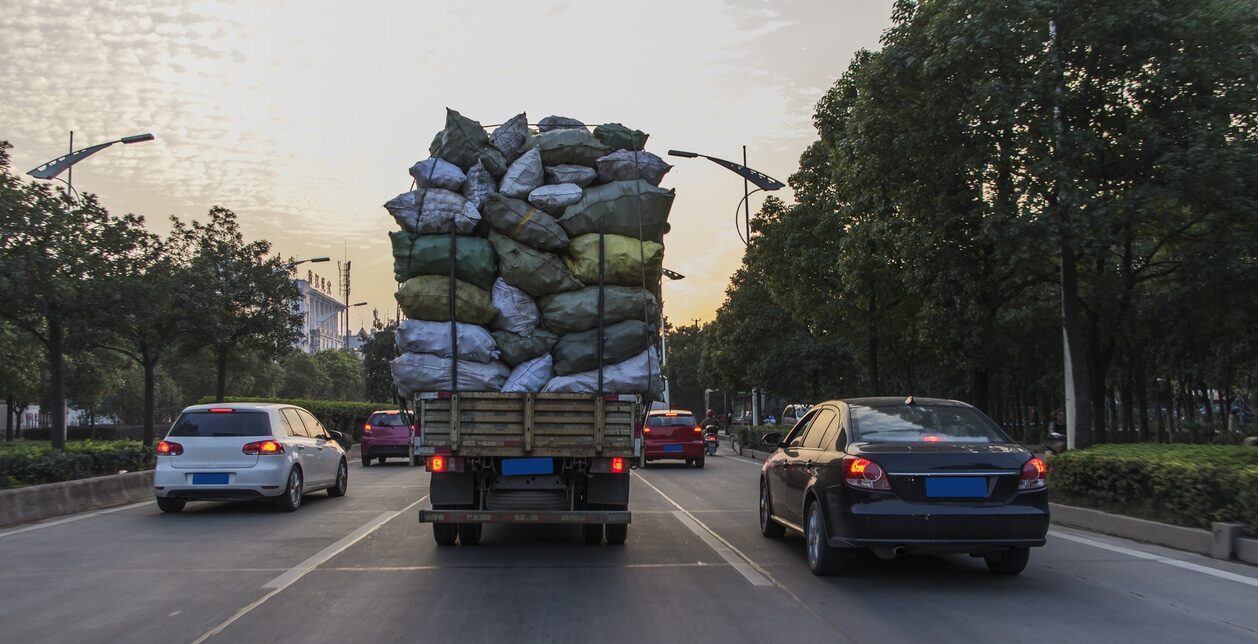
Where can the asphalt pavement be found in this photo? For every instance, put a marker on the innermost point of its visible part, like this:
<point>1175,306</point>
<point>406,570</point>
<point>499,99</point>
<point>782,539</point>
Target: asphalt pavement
<point>694,569</point>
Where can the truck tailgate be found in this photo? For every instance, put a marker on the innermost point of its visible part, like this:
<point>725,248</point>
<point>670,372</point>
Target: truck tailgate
<point>498,424</point>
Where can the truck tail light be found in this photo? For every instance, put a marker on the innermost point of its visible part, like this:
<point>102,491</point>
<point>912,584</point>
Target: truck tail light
<point>438,464</point>
<point>168,448</point>
<point>263,448</point>
<point>618,465</point>
<point>1034,475</point>
<point>864,474</point>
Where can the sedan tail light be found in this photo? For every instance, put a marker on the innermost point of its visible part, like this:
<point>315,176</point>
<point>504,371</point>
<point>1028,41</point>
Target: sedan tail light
<point>168,448</point>
<point>1034,475</point>
<point>263,447</point>
<point>367,428</point>
<point>864,474</point>
<point>698,429</point>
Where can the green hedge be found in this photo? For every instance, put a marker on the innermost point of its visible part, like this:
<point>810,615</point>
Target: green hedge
<point>1189,485</point>
<point>752,437</point>
<point>31,464</point>
<point>345,416</point>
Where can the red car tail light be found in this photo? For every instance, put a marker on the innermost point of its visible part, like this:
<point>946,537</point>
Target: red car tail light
<point>367,428</point>
<point>167,448</point>
<point>263,448</point>
<point>618,465</point>
<point>864,474</point>
<point>438,464</point>
<point>222,410</point>
<point>698,429</point>
<point>1034,475</point>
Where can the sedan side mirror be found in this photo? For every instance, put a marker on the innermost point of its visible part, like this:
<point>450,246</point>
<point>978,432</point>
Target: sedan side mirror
<point>772,439</point>
<point>336,436</point>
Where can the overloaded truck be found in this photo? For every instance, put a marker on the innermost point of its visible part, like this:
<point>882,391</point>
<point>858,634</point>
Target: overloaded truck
<point>529,262</point>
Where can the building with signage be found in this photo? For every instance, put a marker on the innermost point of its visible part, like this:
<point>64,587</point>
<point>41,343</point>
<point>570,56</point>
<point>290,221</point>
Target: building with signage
<point>321,314</point>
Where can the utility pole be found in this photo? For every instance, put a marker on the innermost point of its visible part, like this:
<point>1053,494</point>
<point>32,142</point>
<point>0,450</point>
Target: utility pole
<point>343,269</point>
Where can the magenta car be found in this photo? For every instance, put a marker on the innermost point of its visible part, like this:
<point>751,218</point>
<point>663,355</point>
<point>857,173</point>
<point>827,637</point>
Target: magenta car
<point>386,433</point>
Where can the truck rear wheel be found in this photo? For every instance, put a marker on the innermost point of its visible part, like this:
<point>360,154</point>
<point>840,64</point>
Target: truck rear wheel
<point>592,533</point>
<point>617,533</point>
<point>445,534</point>
<point>469,533</point>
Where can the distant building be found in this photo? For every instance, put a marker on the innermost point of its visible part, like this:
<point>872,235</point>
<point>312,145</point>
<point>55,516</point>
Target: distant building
<point>321,315</point>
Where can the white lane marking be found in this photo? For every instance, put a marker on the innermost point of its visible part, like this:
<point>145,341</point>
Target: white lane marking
<point>746,567</point>
<point>302,569</point>
<point>696,564</point>
<point>72,518</point>
<point>1205,570</point>
<point>744,459</point>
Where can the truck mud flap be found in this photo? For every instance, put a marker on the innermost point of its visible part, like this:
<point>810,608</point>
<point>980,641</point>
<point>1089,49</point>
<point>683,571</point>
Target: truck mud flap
<point>487,516</point>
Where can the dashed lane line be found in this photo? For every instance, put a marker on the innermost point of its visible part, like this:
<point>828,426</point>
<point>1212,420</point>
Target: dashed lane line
<point>304,568</point>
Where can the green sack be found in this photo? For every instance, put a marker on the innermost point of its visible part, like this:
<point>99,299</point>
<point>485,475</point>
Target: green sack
<point>619,205</point>
<point>524,223</point>
<point>514,349</point>
<point>463,142</point>
<point>578,310</point>
<point>533,271</point>
<point>622,263</point>
<point>578,352</point>
<point>430,255</point>
<point>576,147</point>
<point>427,297</point>
<point>619,137</point>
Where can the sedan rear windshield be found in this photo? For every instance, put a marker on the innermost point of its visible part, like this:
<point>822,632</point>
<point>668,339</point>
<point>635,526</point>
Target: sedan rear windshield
<point>234,423</point>
<point>670,421</point>
<point>924,424</point>
<point>389,420</point>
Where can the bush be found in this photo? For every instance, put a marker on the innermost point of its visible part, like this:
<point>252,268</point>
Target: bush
<point>753,437</point>
<point>343,416</point>
<point>103,432</point>
<point>1189,485</point>
<point>32,464</point>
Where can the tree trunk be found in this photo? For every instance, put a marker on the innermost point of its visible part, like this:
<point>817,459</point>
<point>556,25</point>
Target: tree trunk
<point>8,419</point>
<point>979,389</point>
<point>56,368</point>
<point>150,398</point>
<point>221,391</point>
<point>1142,401</point>
<point>874,385</point>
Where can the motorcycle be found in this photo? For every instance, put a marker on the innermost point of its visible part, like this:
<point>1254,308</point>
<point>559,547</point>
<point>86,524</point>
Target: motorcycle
<point>711,442</point>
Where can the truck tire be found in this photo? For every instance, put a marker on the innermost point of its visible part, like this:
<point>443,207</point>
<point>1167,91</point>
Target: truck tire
<point>469,533</point>
<point>592,533</point>
<point>445,534</point>
<point>617,533</point>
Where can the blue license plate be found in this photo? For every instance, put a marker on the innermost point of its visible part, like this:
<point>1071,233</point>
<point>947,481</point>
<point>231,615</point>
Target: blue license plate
<point>672,448</point>
<point>215,478</point>
<point>527,466</point>
<point>956,486</point>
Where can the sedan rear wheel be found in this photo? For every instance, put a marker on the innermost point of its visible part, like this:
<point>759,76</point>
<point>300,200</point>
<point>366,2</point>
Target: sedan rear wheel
<point>822,559</point>
<point>342,480</point>
<point>366,460</point>
<point>768,527</point>
<point>170,505</point>
<point>290,500</point>
<point>1008,562</point>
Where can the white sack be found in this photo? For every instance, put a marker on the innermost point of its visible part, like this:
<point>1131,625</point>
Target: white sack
<point>422,336</point>
<point>530,377</point>
<point>568,173</point>
<point>433,211</point>
<point>559,123</point>
<point>517,311</point>
<point>553,199</point>
<point>479,185</point>
<point>625,165</point>
<point>416,372</point>
<point>637,375</point>
<point>438,173</point>
<point>509,137</point>
<point>525,175</point>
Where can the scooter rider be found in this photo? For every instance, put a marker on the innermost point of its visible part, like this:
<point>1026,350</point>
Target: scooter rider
<point>711,427</point>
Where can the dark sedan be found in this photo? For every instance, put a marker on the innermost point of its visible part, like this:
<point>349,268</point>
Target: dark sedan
<point>897,475</point>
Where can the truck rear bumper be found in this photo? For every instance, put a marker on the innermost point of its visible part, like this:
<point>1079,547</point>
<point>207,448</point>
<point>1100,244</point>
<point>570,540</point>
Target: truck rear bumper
<point>489,516</point>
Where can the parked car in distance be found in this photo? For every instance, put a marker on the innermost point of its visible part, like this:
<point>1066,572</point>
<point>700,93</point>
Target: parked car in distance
<point>386,433</point>
<point>673,434</point>
<point>897,475</point>
<point>792,413</point>
<point>243,451</point>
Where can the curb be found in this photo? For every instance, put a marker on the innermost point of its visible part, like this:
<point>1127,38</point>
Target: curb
<point>1224,542</point>
<point>39,502</point>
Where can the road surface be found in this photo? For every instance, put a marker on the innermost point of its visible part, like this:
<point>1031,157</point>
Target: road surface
<point>695,569</point>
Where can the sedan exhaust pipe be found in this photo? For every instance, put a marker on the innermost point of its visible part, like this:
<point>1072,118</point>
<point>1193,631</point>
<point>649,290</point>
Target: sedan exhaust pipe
<point>887,554</point>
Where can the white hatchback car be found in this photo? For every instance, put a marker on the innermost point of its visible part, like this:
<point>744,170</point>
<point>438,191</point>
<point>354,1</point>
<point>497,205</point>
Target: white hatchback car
<point>235,451</point>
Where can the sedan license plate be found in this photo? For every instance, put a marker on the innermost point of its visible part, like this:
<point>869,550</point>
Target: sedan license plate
<point>672,448</point>
<point>210,478</point>
<point>950,486</point>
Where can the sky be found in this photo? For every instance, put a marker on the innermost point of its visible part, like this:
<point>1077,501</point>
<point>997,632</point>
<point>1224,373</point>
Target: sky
<point>304,116</point>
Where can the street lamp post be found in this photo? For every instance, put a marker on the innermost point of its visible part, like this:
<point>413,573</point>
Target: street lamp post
<point>763,182</point>
<point>51,169</point>
<point>313,260</point>
<point>347,333</point>
<point>672,276</point>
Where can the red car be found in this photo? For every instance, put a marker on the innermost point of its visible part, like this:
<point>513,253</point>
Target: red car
<point>386,433</point>
<point>673,434</point>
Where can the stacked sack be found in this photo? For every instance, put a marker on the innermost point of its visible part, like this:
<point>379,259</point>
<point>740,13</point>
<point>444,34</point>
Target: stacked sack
<point>517,214</point>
